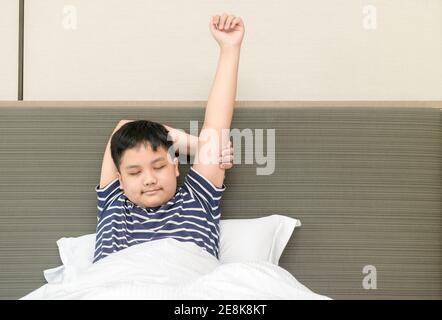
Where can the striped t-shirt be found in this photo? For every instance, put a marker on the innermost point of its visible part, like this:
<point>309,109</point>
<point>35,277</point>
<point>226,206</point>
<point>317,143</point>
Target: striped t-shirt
<point>191,215</point>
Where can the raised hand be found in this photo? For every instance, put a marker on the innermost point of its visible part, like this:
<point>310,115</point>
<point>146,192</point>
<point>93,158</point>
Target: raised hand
<point>227,30</point>
<point>226,158</point>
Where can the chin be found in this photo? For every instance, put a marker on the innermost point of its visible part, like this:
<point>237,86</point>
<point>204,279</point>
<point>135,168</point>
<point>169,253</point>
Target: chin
<point>153,204</point>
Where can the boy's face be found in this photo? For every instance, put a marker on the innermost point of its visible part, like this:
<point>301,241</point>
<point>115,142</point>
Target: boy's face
<point>143,170</point>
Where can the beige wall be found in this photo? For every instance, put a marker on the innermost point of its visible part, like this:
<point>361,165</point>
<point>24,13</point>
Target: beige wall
<point>8,49</point>
<point>292,50</point>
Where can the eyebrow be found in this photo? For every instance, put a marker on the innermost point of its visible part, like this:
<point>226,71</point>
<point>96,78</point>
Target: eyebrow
<point>152,162</point>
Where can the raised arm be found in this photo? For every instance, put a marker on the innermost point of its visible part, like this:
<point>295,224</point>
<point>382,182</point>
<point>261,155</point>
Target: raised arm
<point>108,169</point>
<point>228,31</point>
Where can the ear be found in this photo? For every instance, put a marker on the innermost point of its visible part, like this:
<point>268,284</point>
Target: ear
<point>121,181</point>
<point>176,163</point>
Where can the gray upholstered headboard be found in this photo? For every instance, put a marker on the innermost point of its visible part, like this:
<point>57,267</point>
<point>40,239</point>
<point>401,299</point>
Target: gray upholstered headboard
<point>365,181</point>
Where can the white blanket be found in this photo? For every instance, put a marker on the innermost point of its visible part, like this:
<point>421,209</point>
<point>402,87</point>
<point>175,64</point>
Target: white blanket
<point>174,270</point>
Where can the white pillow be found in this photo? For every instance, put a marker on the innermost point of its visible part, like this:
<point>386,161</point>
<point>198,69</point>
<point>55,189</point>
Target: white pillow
<point>76,253</point>
<point>260,239</point>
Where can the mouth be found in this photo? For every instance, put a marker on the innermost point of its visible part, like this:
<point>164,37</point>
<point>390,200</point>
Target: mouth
<point>150,192</point>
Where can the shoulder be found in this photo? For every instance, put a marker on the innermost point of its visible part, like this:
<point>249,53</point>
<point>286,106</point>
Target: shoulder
<point>197,184</point>
<point>111,194</point>
<point>112,186</point>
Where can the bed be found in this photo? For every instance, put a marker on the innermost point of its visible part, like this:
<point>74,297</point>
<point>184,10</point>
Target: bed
<point>363,177</point>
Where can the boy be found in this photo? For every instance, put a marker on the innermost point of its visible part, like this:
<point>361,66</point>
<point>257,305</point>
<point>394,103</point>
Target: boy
<point>138,161</point>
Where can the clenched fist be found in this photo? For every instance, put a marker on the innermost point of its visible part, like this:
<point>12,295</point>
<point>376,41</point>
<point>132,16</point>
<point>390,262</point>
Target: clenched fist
<point>227,30</point>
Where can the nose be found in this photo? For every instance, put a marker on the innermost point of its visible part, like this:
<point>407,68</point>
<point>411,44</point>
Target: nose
<point>149,179</point>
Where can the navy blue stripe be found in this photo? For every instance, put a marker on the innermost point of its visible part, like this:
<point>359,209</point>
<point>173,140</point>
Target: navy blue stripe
<point>168,216</point>
<point>133,233</point>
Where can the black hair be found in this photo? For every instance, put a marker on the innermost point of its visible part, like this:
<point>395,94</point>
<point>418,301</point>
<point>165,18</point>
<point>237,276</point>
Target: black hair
<point>134,133</point>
